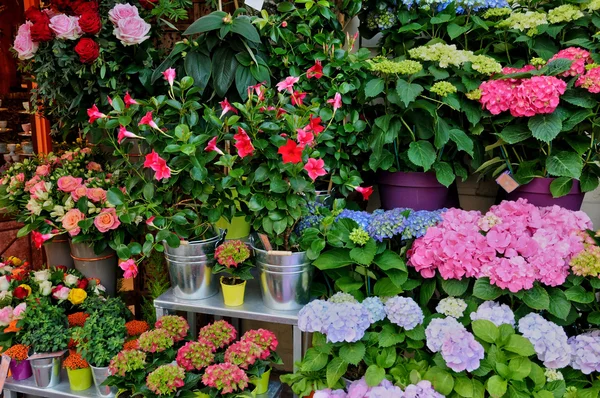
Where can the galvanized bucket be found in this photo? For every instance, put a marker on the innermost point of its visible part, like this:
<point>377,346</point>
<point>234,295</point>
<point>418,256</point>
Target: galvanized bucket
<point>99,375</point>
<point>58,252</point>
<point>285,278</point>
<point>190,268</point>
<point>46,371</point>
<point>102,266</point>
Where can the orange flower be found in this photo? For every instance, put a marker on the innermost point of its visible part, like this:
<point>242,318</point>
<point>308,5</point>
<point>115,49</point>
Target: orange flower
<point>18,352</point>
<point>12,327</point>
<point>135,328</point>
<point>77,319</point>
<point>131,345</point>
<point>74,361</point>
<point>72,344</point>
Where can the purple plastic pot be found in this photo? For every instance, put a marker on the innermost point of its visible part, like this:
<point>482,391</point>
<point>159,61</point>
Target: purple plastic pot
<point>418,191</point>
<point>20,370</point>
<point>537,192</point>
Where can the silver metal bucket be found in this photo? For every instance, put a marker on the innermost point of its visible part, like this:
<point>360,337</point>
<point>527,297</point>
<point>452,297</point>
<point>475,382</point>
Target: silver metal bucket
<point>285,279</point>
<point>190,268</point>
<point>58,252</point>
<point>46,371</point>
<point>102,266</point>
<point>99,375</point>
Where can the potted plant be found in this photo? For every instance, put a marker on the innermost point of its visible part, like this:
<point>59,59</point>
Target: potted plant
<point>255,352</point>
<point>78,371</point>
<point>20,368</point>
<point>232,258</point>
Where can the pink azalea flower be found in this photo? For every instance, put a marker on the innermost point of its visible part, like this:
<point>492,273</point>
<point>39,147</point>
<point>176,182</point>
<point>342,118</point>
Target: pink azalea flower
<point>169,76</point>
<point>130,268</point>
<point>128,100</point>
<point>94,114</point>
<point>336,101</point>
<point>212,146</point>
<point>227,107</point>
<point>287,84</point>
<point>123,133</point>
<point>315,168</point>
<point>147,120</point>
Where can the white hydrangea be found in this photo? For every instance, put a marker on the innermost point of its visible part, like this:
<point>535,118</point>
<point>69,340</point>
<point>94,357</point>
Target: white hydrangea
<point>553,375</point>
<point>494,312</point>
<point>452,306</point>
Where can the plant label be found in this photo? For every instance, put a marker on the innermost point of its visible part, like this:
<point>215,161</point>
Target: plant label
<point>507,182</point>
<point>4,370</point>
<point>256,4</point>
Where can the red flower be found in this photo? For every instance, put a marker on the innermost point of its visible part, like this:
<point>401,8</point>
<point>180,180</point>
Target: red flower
<point>62,268</point>
<point>40,31</point>
<point>365,191</point>
<point>88,50</point>
<point>315,125</point>
<point>242,143</point>
<point>291,152</point>
<point>90,22</point>
<point>315,71</point>
<point>93,113</point>
<point>20,293</point>
<point>83,283</point>
<point>34,15</point>
<point>88,6</point>
<point>128,100</point>
<point>297,98</point>
<point>148,4</point>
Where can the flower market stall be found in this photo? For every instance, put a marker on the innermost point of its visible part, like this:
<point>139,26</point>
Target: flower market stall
<point>268,206</point>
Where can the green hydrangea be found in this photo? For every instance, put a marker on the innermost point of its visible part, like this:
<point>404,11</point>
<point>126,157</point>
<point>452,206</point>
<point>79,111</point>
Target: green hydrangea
<point>591,66</point>
<point>537,61</point>
<point>592,5</point>
<point>389,67</point>
<point>359,236</point>
<point>525,21</point>
<point>443,89</point>
<point>571,392</point>
<point>497,12</point>
<point>474,95</point>
<point>564,13</point>
<point>444,54</point>
<point>587,262</point>
<point>485,65</point>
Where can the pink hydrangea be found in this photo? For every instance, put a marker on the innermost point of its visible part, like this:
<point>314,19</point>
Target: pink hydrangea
<point>225,377</point>
<point>176,326</point>
<point>196,355</point>
<point>127,361</point>
<point>579,56</point>
<point>496,95</point>
<point>590,80</point>
<point>220,333</point>
<point>537,95</point>
<point>265,339</point>
<point>166,379</point>
<point>243,353</point>
<point>156,340</point>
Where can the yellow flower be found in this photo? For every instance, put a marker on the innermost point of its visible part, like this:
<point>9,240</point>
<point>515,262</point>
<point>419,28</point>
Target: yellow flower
<point>77,296</point>
<point>26,287</point>
<point>15,261</point>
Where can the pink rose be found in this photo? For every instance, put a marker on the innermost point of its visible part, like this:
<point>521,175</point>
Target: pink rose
<point>132,30</point>
<point>65,27</point>
<point>93,166</point>
<point>61,292</point>
<point>79,192</point>
<point>107,220</point>
<point>21,177</point>
<point>122,11</point>
<point>6,316</point>
<point>42,170</point>
<point>68,183</point>
<point>67,156</point>
<point>38,189</point>
<point>23,45</point>
<point>86,151</point>
<point>32,182</point>
<point>96,194</point>
<point>70,221</point>
<point>19,310</point>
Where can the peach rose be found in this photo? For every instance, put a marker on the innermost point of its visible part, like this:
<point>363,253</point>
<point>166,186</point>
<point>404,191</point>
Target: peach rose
<point>70,221</point>
<point>107,220</point>
<point>79,192</point>
<point>96,194</point>
<point>68,183</point>
<point>42,170</point>
<point>32,182</point>
<point>93,166</point>
<point>21,177</point>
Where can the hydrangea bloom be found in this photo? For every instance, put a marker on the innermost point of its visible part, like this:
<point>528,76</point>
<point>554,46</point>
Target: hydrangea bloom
<point>362,218</point>
<point>166,379</point>
<point>524,21</point>
<point>313,220</point>
<point>225,377</point>
<point>220,333</point>
<point>548,339</point>
<point>243,353</point>
<point>196,355</point>
<point>438,329</point>
<point>553,375</point>
<point>579,56</point>
<point>418,221</point>
<point>461,351</point>
<point>341,297</point>
<point>586,352</point>
<point>127,361</point>
<point>443,88</point>
<point>404,312</point>
<point>359,236</point>
<point>590,80</point>
<point>446,55</point>
<point>346,322</point>
<point>232,253</point>
<point>388,67</point>
<point>451,306</point>
<point>422,389</point>
<point>313,317</point>
<point>587,262</point>
<point>386,224</point>
<point>265,339</point>
<point>496,95</point>
<point>156,340</point>
<point>494,312</point>
<point>537,95</point>
<point>375,307</point>
<point>385,389</point>
<point>564,13</point>
<point>329,393</point>
<point>177,326</point>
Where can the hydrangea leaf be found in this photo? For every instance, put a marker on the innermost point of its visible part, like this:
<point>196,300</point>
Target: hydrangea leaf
<point>537,298</point>
<point>519,368</point>
<point>485,330</point>
<point>442,381</point>
<point>364,255</point>
<point>374,375</point>
<point>389,336</point>
<point>422,154</point>
<point>496,386</point>
<point>314,360</point>
<point>408,92</point>
<point>561,186</point>
<point>455,287</point>
<point>464,387</point>
<point>485,291</point>
<point>564,164</point>
<point>335,370</point>
<point>353,353</point>
<point>519,345</point>
<point>545,127</point>
<point>332,259</point>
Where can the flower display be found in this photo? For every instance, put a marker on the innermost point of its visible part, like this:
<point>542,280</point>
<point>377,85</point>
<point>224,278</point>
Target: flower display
<point>585,349</point>
<point>166,379</point>
<point>438,329</point>
<point>75,361</point>
<point>77,319</point>
<point>127,361</point>
<point>156,340</point>
<point>404,312</point>
<point>196,355</point>
<point>461,351</point>
<point>219,333</point>
<point>386,224</point>
<point>313,317</point>
<point>498,314</point>
<point>176,326</point>
<point>225,377</point>
<point>421,389</point>
<point>548,339</point>
<point>18,352</point>
<point>452,306</point>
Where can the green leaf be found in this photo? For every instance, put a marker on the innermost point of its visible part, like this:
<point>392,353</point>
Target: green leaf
<point>455,287</point>
<point>442,381</point>
<point>353,353</point>
<point>496,386</point>
<point>389,260</point>
<point>115,196</point>
<point>515,133</point>
<point>243,27</point>
<point>559,305</point>
<point>374,375</point>
<point>442,133</point>
<point>314,360</point>
<point>579,98</point>
<point>455,30</point>
<point>348,283</point>
<point>332,259</point>
<point>278,185</point>
<point>335,370</point>
<point>421,153</point>
<point>462,141</point>
<point>519,368</point>
<point>464,387</point>
<point>408,92</point>
<point>588,181</point>
<point>444,173</point>
<point>485,330</point>
<point>364,255</point>
<point>224,65</point>
<point>537,298</point>
<point>564,164</point>
<point>389,336</point>
<point>386,357</point>
<point>485,291</point>
<point>561,186</point>
<point>385,288</point>
<point>148,191</point>
<point>594,318</point>
<point>198,67</point>
<point>545,127</point>
<point>519,345</point>
<point>212,21</point>
<point>427,291</point>
<point>374,87</point>
<point>578,294</point>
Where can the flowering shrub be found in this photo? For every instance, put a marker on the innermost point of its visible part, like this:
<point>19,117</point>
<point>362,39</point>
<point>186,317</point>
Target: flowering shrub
<point>127,361</point>
<point>219,333</point>
<point>196,355</point>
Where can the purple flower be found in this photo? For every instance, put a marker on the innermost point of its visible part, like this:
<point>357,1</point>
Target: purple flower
<point>437,330</point>
<point>549,340</point>
<point>404,312</point>
<point>362,218</point>
<point>461,351</point>
<point>586,352</point>
<point>375,307</point>
<point>418,222</point>
<point>496,313</point>
<point>329,393</point>
<point>386,224</point>
<point>385,389</point>
<point>358,389</point>
<point>312,317</point>
<point>346,322</point>
<point>422,389</point>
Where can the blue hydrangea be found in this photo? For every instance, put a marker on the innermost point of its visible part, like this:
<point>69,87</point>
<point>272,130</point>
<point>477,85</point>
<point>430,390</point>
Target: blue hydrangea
<point>313,220</point>
<point>386,224</point>
<point>549,340</point>
<point>404,312</point>
<point>461,351</point>
<point>418,222</point>
<point>496,313</point>
<point>586,352</point>
<point>346,322</point>
<point>422,389</point>
<point>313,317</point>
<point>462,6</point>
<point>438,329</point>
<point>375,307</point>
<point>362,218</point>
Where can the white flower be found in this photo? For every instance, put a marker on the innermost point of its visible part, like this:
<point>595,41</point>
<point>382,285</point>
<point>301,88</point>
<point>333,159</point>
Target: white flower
<point>99,289</point>
<point>553,375</point>
<point>71,280</point>
<point>4,283</point>
<point>452,306</point>
<point>41,276</point>
<point>45,288</point>
<point>57,211</point>
<point>7,294</point>
<point>7,269</point>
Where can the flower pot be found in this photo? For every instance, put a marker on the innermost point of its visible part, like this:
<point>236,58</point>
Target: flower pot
<point>102,266</point>
<point>80,379</point>
<point>239,228</point>
<point>46,371</point>
<point>58,252</point>
<point>414,190</point>
<point>190,268</point>
<point>99,375</point>
<point>262,383</point>
<point>537,192</point>
<point>20,370</point>
<point>233,295</point>
<point>285,278</point>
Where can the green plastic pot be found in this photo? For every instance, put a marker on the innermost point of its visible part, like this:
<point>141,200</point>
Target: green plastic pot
<point>261,383</point>
<point>80,379</point>
<point>239,228</point>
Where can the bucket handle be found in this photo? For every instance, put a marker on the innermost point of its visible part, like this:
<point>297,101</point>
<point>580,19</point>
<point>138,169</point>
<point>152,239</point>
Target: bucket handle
<point>279,252</point>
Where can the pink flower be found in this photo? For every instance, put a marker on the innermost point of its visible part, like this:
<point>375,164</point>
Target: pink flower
<point>496,96</point>
<point>579,57</point>
<point>284,24</point>
<point>94,114</point>
<point>42,170</point>
<point>169,76</point>
<point>109,100</point>
<point>336,102</point>
<point>79,192</point>
<point>23,45</point>
<point>60,292</point>
<point>147,119</point>
<point>38,189</point>
<point>123,133</point>
<point>122,11</point>
<point>212,146</point>
<point>130,268</point>
<point>537,95</point>
<point>227,107</point>
<point>71,220</point>
<point>19,310</point>
<point>93,166</point>
<point>590,80</point>
<point>96,195</point>
<point>150,221</point>
<point>287,84</point>
<point>39,239</point>
<point>107,220</point>
<point>158,164</point>
<point>498,240</point>
<point>364,191</point>
<point>132,30</point>
<point>20,177</point>
<point>259,90</point>
<point>305,137</point>
<point>314,125</point>
<point>242,143</point>
<point>128,100</point>
<point>315,168</point>
<point>297,98</point>
<point>6,315</point>
<point>68,183</point>
<point>315,71</point>
<point>65,27</point>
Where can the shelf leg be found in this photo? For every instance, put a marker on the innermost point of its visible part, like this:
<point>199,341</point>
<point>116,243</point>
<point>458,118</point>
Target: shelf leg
<point>297,339</point>
<point>159,312</point>
<point>9,394</point>
<point>191,318</point>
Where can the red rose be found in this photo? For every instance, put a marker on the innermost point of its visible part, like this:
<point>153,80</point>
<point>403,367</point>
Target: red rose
<point>66,6</point>
<point>88,50</point>
<point>83,283</point>
<point>148,4</point>
<point>40,31</point>
<point>20,293</point>
<point>90,22</point>
<point>34,15</point>
<point>88,6</point>
<point>62,268</point>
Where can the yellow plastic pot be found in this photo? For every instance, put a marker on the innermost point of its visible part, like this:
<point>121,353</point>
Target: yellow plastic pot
<point>238,228</point>
<point>80,379</point>
<point>261,383</point>
<point>233,295</point>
